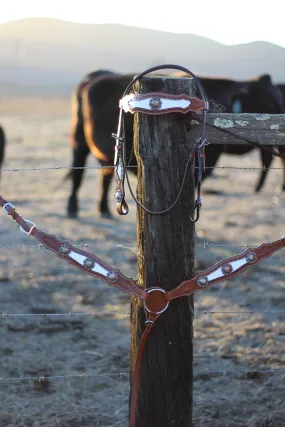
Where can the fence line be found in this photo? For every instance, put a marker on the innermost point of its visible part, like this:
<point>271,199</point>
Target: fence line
<point>70,314</point>
<point>220,372</point>
<point>205,244</point>
<point>83,245</point>
<point>128,167</point>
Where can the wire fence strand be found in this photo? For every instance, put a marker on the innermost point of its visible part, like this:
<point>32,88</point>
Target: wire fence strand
<point>197,374</point>
<point>5,314</point>
<point>130,246</point>
<point>52,168</point>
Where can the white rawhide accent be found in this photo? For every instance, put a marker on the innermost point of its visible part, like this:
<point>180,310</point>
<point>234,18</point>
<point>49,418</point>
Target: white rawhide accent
<point>119,171</point>
<point>235,266</point>
<point>77,257</point>
<point>98,269</point>
<point>81,258</point>
<point>129,103</point>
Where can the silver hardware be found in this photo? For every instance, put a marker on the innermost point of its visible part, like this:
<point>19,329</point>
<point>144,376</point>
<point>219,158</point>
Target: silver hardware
<point>29,222</point>
<point>149,321</point>
<point>112,276</point>
<point>88,263</point>
<point>5,206</point>
<point>251,257</point>
<point>155,103</point>
<point>120,138</point>
<point>119,196</point>
<point>64,250</point>
<point>202,281</point>
<point>227,269</point>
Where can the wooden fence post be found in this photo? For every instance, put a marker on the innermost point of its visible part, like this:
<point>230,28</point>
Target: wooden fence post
<point>165,259</point>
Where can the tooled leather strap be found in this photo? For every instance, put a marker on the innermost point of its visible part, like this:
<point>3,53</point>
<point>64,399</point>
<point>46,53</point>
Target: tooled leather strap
<point>159,103</point>
<point>136,374</point>
<point>226,269</point>
<point>155,299</point>
<point>10,210</point>
<point>83,260</point>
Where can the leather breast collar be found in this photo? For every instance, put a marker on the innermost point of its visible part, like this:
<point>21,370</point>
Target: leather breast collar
<point>155,299</point>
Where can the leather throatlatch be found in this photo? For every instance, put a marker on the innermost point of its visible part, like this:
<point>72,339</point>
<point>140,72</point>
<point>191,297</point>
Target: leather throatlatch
<point>155,299</point>
<point>157,103</point>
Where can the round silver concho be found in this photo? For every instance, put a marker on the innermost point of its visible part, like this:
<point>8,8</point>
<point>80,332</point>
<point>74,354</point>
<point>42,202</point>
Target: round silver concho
<point>119,196</point>
<point>202,281</point>
<point>251,257</point>
<point>88,263</point>
<point>227,269</point>
<point>155,103</point>
<point>112,276</point>
<point>64,250</point>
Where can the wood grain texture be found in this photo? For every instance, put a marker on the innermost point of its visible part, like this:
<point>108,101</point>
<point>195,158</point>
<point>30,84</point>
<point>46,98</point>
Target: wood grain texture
<point>266,129</point>
<point>165,259</point>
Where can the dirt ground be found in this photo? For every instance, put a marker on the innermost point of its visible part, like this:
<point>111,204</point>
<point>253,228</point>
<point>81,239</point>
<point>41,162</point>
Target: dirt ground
<point>239,324</point>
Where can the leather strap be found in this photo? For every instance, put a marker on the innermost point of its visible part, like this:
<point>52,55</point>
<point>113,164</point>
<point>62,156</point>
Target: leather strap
<point>156,103</point>
<point>10,210</point>
<point>226,269</point>
<point>136,375</point>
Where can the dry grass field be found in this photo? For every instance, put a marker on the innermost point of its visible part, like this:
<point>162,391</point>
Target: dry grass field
<point>239,324</point>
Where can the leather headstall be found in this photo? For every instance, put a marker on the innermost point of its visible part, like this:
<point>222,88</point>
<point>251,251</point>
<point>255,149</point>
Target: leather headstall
<point>157,103</point>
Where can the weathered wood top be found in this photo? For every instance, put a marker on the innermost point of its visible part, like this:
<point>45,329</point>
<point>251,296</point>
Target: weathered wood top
<point>263,128</point>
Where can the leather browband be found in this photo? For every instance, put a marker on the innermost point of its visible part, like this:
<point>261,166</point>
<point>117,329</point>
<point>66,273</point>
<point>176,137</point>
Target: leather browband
<point>156,103</point>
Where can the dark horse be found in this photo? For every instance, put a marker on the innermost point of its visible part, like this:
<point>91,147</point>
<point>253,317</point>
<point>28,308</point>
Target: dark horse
<point>94,118</point>
<point>270,101</point>
<point>2,145</point>
<point>95,115</point>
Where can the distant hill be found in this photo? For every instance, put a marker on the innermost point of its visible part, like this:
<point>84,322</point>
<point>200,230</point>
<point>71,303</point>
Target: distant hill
<point>50,52</point>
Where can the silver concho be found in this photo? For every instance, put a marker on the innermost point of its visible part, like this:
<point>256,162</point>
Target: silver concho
<point>119,196</point>
<point>112,276</point>
<point>202,281</point>
<point>64,250</point>
<point>88,263</point>
<point>227,269</point>
<point>155,103</point>
<point>251,257</point>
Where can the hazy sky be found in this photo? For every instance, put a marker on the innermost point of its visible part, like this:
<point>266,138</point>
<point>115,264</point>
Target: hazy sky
<point>226,21</point>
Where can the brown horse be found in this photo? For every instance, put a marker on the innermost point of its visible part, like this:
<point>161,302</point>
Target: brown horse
<point>95,115</point>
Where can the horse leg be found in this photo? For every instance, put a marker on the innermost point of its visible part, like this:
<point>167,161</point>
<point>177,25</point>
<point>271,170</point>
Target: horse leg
<point>106,175</point>
<point>79,159</point>
<point>266,159</point>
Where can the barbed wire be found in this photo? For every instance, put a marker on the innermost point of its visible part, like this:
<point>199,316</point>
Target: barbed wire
<point>51,168</point>
<point>5,314</point>
<point>82,245</point>
<point>220,372</point>
<point>130,246</point>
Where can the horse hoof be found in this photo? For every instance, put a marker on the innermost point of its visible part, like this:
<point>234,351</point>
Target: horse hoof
<point>71,215</point>
<point>106,215</point>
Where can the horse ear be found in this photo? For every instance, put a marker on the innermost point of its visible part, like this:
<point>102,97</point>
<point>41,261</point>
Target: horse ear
<point>265,78</point>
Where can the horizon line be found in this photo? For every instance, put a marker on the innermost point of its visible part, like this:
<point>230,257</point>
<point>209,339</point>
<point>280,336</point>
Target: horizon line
<point>139,27</point>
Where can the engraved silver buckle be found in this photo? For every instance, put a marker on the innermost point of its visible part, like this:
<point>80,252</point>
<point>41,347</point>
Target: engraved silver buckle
<point>5,207</point>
